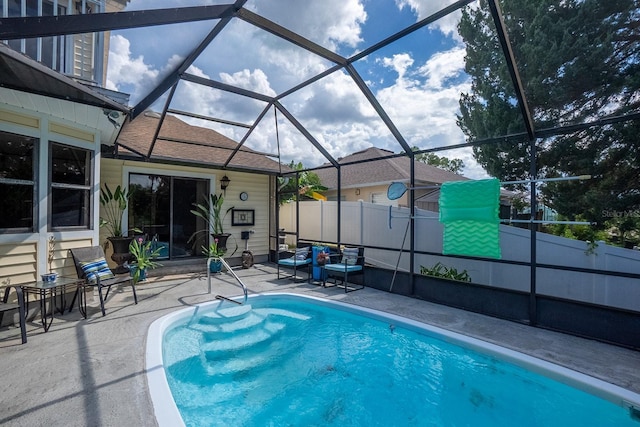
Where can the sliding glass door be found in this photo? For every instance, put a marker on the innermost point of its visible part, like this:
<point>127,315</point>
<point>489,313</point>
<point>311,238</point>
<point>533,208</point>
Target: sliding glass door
<point>161,207</point>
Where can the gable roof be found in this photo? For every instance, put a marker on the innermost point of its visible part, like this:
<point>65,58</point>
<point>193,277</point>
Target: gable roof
<point>181,142</point>
<point>382,171</point>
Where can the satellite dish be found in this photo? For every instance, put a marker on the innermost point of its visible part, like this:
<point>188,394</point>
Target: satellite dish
<point>396,190</point>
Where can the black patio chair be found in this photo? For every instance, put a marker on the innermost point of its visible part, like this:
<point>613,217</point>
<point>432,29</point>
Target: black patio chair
<point>347,264</point>
<point>91,265</point>
<point>5,306</point>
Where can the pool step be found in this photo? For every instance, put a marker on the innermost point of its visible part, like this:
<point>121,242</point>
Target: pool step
<point>252,363</point>
<point>212,346</point>
<point>224,314</point>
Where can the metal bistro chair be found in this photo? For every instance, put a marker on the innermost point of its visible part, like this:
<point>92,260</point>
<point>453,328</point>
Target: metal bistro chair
<point>6,306</point>
<point>91,266</point>
<point>351,263</point>
<point>301,257</point>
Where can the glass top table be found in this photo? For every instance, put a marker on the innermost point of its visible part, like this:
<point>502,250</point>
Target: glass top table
<point>49,290</point>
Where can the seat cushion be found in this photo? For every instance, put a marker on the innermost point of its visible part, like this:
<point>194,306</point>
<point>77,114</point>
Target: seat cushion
<point>341,268</point>
<point>95,269</point>
<point>293,261</point>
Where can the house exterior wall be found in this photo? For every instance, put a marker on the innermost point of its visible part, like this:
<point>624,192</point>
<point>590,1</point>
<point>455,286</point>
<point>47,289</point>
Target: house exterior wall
<point>24,256</point>
<point>366,194</point>
<point>116,172</point>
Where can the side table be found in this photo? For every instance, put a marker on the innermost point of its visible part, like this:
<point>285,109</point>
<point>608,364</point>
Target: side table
<point>49,290</point>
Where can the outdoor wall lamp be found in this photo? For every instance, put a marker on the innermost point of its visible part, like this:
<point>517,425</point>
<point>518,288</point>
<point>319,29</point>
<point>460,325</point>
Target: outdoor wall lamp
<point>224,183</point>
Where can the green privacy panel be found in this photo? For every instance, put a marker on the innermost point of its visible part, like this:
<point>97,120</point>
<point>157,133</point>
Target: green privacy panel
<point>469,212</point>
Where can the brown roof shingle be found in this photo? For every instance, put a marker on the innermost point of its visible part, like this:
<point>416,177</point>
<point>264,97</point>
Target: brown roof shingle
<point>180,141</point>
<point>383,170</point>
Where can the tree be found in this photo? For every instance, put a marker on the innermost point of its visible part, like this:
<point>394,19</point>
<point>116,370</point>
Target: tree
<point>579,60</point>
<point>308,183</point>
<point>453,165</point>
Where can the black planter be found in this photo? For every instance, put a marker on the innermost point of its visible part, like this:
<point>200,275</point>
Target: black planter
<point>222,240</point>
<point>121,253</point>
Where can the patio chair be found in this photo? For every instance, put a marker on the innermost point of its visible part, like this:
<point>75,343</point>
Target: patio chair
<point>6,306</point>
<point>302,257</point>
<point>351,263</point>
<point>91,265</point>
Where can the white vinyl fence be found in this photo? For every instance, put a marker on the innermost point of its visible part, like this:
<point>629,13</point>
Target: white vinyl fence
<point>375,225</point>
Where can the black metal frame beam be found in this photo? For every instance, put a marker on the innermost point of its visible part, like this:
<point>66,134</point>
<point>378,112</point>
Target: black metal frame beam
<point>306,133</point>
<point>46,26</point>
<point>290,36</point>
<point>173,78</point>
<point>211,119</point>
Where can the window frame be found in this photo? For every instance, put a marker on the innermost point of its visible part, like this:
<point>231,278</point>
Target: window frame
<point>87,188</point>
<point>33,183</point>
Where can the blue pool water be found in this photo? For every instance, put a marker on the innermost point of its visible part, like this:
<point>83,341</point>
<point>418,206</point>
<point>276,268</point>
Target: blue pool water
<point>286,360</point>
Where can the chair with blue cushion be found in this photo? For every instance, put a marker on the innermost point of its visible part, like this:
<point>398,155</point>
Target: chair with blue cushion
<point>350,263</point>
<point>302,257</point>
<point>91,265</point>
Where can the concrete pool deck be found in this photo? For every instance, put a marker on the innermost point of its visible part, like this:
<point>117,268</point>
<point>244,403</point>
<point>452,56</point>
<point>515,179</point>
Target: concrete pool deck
<point>91,372</point>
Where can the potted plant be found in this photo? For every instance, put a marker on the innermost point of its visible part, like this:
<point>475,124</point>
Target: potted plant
<point>144,257</point>
<point>114,203</point>
<point>211,212</point>
<point>215,252</point>
<point>50,275</point>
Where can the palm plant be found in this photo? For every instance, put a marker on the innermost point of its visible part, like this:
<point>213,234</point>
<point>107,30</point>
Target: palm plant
<point>211,213</point>
<point>144,257</point>
<point>114,203</point>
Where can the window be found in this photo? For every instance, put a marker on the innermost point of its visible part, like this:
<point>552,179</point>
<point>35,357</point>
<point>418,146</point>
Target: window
<point>48,50</point>
<point>16,182</point>
<point>70,179</point>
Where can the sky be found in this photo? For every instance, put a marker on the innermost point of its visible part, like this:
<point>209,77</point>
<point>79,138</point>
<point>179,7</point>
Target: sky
<point>418,80</point>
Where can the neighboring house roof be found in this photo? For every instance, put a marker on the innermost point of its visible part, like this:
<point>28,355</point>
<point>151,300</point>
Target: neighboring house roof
<point>179,141</point>
<point>382,171</point>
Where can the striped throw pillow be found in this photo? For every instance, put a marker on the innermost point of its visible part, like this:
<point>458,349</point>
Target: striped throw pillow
<point>96,268</point>
<point>302,253</point>
<point>350,256</point>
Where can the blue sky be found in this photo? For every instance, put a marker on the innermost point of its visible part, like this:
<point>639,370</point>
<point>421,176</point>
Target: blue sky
<point>417,80</point>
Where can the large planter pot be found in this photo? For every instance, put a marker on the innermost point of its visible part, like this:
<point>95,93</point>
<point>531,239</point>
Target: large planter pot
<point>121,253</point>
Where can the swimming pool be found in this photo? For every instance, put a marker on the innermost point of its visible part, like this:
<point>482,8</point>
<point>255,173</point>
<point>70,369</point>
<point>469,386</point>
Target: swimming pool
<point>293,360</point>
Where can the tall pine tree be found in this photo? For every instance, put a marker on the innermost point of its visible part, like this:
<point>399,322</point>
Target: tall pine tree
<point>579,61</point>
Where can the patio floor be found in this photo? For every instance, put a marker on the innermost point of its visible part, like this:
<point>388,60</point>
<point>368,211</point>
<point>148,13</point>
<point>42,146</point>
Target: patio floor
<point>91,372</point>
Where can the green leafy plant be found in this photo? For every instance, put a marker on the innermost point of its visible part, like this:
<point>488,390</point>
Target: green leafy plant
<point>114,203</point>
<point>214,251</point>
<point>441,270</point>
<point>211,212</point>
<point>144,257</point>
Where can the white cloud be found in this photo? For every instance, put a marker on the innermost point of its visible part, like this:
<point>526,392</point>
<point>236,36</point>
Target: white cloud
<point>421,97</point>
<point>256,81</point>
<point>329,23</point>
<point>424,8</point>
<point>125,70</point>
